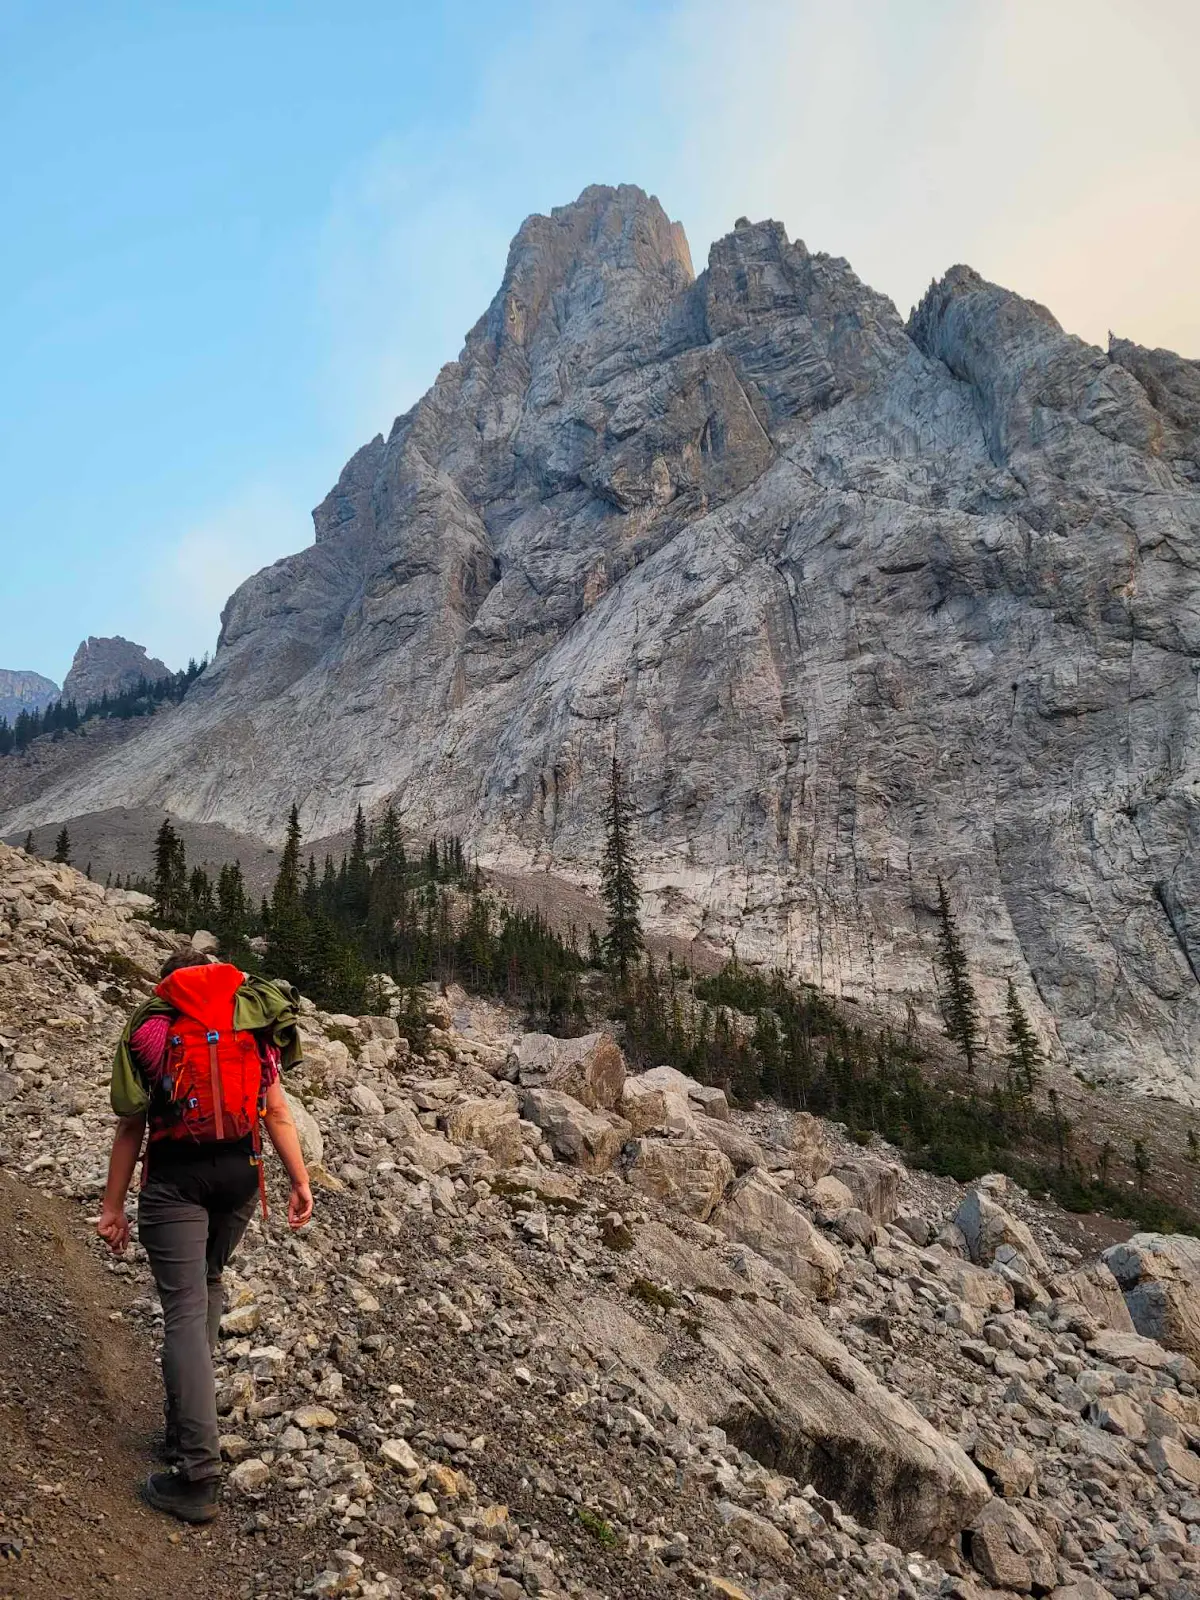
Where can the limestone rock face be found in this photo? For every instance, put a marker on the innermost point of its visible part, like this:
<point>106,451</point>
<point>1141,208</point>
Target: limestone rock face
<point>689,1175</point>
<point>589,1139</point>
<point>757,1214</point>
<point>24,691</point>
<point>987,1227</point>
<point>1100,1295</point>
<point>109,666</point>
<point>591,1069</point>
<point>858,601</point>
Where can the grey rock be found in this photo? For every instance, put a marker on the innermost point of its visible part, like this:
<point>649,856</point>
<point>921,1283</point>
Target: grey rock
<point>24,691</point>
<point>493,1125</point>
<point>591,1069</point>
<point>988,1228</point>
<point>1160,1276</point>
<point>109,666</point>
<point>312,1144</point>
<point>743,1151</point>
<point>1006,1549</point>
<point>810,1156</point>
<point>687,1174</point>
<point>756,1213</point>
<point>1098,1292</point>
<point>588,1139</point>
<point>858,570</point>
<point>874,1184</point>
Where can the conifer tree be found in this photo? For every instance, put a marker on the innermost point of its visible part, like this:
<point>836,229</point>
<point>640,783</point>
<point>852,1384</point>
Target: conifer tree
<point>62,847</point>
<point>1024,1052</point>
<point>286,892</point>
<point>288,938</point>
<point>1104,1161</point>
<point>623,942</point>
<point>200,896</point>
<point>1141,1162</point>
<point>232,910</point>
<point>170,868</point>
<point>960,1008</point>
<point>358,872</point>
<point>29,843</point>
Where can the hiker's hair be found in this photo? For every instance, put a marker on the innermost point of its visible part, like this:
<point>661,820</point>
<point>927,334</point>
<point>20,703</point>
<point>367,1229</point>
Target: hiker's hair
<point>183,958</point>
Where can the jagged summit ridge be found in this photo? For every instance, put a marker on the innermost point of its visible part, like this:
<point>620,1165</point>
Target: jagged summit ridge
<point>857,603</point>
<point>110,666</point>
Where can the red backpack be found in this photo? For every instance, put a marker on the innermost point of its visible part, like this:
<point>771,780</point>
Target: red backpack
<point>213,1075</point>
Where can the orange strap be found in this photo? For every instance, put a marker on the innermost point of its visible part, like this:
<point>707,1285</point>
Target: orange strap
<point>218,1100</point>
<point>258,1161</point>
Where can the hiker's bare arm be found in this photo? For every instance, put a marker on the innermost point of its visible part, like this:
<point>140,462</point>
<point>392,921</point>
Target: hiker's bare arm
<point>113,1225</point>
<point>282,1133</point>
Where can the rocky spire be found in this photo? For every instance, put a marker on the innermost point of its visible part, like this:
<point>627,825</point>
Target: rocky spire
<point>109,666</point>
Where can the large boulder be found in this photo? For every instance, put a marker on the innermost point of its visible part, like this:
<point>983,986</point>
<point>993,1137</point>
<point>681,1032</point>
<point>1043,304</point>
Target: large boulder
<point>429,1151</point>
<point>811,1156</point>
<point>312,1143</point>
<point>493,1125</point>
<point>651,1109</point>
<point>874,1184</point>
<point>743,1151</point>
<point>1006,1549</point>
<point>1098,1292</point>
<point>791,1395</point>
<point>700,1096</point>
<point>973,1286</point>
<point>986,1226</point>
<point>687,1174</point>
<point>1159,1274</point>
<point>588,1139</point>
<point>755,1212</point>
<point>591,1069</point>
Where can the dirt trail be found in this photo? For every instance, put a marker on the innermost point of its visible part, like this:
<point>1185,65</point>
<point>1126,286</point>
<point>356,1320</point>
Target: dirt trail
<point>79,1402</point>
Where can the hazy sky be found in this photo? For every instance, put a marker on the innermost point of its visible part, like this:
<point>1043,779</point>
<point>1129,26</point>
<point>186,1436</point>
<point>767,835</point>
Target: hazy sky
<point>240,238</point>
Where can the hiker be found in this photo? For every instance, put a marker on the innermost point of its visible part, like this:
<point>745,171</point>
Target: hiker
<point>199,1063</point>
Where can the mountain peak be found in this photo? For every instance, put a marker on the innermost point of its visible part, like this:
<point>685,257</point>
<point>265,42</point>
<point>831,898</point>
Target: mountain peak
<point>24,691</point>
<point>109,666</point>
<point>610,248</point>
<point>854,605</point>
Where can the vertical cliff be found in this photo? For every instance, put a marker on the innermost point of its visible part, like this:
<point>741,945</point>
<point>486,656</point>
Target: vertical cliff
<point>857,603</point>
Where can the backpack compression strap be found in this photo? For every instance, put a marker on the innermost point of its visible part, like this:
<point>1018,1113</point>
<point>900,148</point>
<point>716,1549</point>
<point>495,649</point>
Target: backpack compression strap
<point>215,1070</point>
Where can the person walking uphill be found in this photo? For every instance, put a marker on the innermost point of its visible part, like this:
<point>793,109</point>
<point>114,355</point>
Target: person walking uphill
<point>199,1065</point>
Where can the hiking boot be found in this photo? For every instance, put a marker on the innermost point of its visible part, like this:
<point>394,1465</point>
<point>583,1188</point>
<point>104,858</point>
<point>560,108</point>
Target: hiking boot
<point>165,1448</point>
<point>190,1501</point>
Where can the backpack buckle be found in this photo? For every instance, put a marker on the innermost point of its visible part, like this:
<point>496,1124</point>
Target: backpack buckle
<point>212,1037</point>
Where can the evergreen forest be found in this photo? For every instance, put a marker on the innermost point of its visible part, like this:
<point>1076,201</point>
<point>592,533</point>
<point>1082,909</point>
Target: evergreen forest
<point>64,716</point>
<point>425,914</point>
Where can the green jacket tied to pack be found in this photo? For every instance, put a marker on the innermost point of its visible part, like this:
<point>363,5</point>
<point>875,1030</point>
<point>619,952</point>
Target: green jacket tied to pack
<point>261,1005</point>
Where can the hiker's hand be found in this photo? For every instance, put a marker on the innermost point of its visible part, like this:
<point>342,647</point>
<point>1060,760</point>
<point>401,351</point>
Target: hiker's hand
<point>299,1205</point>
<point>113,1228</point>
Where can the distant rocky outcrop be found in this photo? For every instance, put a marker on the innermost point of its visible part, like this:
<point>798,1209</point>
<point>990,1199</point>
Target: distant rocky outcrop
<point>858,602</point>
<point>24,691</point>
<point>110,666</point>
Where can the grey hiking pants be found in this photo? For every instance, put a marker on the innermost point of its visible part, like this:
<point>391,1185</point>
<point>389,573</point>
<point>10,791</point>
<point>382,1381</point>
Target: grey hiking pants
<point>190,1222</point>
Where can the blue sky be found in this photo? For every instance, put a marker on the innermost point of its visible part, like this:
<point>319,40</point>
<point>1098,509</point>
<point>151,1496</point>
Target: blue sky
<point>241,238</point>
